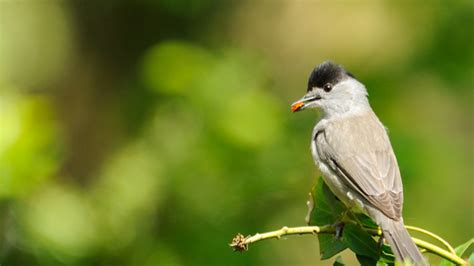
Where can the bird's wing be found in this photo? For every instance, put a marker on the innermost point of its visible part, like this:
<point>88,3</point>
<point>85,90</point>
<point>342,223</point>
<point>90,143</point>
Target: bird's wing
<point>359,151</point>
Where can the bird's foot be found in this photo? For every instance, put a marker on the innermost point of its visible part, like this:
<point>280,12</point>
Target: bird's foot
<point>380,244</point>
<point>339,226</point>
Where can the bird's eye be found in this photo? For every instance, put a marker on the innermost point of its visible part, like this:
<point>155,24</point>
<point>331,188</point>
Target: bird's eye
<point>327,87</point>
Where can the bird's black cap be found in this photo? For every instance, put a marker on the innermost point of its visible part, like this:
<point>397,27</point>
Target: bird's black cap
<point>327,72</point>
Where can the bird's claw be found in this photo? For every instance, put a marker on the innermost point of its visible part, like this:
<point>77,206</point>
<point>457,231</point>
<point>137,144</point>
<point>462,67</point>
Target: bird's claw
<point>380,242</point>
<point>339,226</point>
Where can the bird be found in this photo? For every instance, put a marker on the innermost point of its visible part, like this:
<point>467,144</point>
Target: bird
<point>352,149</point>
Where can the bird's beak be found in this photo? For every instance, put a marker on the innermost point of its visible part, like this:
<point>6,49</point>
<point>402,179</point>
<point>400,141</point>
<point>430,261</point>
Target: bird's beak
<point>297,106</point>
<point>303,102</point>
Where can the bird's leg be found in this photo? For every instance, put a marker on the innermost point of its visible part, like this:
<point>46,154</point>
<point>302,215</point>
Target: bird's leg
<point>339,226</point>
<point>380,242</point>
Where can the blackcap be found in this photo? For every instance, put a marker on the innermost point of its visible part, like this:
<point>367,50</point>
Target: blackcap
<point>352,149</point>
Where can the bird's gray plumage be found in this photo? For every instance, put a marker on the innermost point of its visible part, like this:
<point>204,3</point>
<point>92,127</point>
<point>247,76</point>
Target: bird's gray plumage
<point>353,151</point>
<point>360,167</point>
<point>359,151</point>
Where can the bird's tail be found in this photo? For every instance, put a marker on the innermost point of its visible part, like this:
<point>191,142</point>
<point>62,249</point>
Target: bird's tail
<point>401,243</point>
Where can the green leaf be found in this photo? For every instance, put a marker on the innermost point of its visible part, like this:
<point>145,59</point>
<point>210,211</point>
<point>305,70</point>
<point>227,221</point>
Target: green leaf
<point>386,255</point>
<point>366,261</point>
<point>460,250</point>
<point>338,262</point>
<point>360,241</point>
<point>470,261</point>
<point>327,208</point>
<point>330,245</point>
<point>383,263</point>
<point>365,220</point>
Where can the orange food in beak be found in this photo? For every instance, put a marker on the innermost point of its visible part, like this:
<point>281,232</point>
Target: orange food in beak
<point>296,106</point>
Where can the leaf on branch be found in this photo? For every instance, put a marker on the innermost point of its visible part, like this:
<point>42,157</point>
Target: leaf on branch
<point>386,255</point>
<point>330,245</point>
<point>460,250</point>
<point>326,208</point>
<point>366,261</point>
<point>360,241</point>
<point>366,221</point>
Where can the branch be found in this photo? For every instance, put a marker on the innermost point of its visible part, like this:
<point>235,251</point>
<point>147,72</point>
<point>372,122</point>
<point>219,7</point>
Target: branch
<point>439,251</point>
<point>241,243</point>
<point>444,242</point>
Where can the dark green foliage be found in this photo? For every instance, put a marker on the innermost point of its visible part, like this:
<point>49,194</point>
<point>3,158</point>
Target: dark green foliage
<point>365,220</point>
<point>357,232</point>
<point>330,245</point>
<point>386,255</point>
<point>329,210</point>
<point>366,261</point>
<point>360,241</point>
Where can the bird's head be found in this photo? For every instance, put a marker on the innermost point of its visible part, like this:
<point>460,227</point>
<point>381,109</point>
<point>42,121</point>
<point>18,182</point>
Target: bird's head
<point>332,89</point>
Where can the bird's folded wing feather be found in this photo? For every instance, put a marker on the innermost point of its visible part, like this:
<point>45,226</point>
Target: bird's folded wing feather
<point>359,151</point>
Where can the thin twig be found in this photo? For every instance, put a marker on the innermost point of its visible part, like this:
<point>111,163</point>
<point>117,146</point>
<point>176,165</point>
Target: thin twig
<point>439,251</point>
<point>241,243</point>
<point>421,230</point>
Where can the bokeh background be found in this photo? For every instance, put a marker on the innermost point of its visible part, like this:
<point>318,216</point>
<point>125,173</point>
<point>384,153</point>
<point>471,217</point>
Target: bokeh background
<point>150,132</point>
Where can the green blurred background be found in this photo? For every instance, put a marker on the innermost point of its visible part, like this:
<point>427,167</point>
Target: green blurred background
<point>151,132</point>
